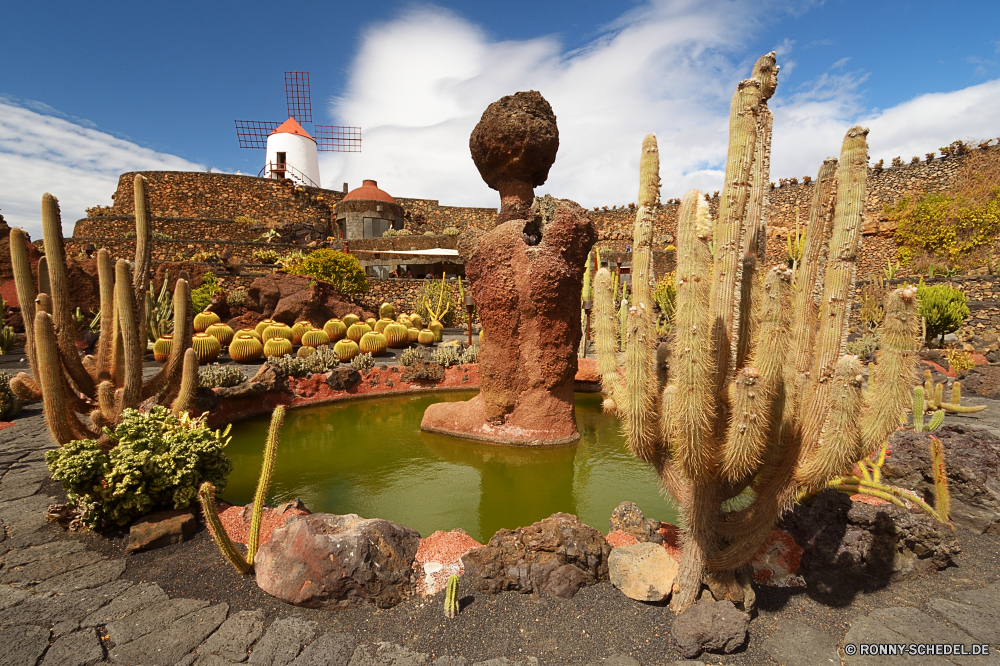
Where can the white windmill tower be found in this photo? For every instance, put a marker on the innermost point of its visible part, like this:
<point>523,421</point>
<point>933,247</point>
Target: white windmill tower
<point>291,151</point>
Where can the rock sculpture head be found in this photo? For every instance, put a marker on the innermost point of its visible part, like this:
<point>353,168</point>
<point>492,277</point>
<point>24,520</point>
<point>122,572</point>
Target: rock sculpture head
<point>513,146</point>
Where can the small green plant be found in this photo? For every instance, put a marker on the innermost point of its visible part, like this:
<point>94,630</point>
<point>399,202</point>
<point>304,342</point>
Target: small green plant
<point>389,233</point>
<point>266,256</point>
<point>10,404</point>
<point>269,235</point>
<point>243,219</point>
<point>159,311</point>
<point>79,319</point>
<point>215,375</point>
<point>451,597</point>
<point>866,346</point>
<point>795,246</point>
<point>6,338</point>
<point>341,270</point>
<point>446,356</point>
<point>934,395</point>
<point>410,356</point>
<point>919,408</point>
<point>470,355</point>
<point>201,297</point>
<point>290,260</point>
<point>236,297</point>
<point>665,297</point>
<point>890,271</point>
<point>959,360</point>
<point>204,257</point>
<point>159,235</point>
<point>450,231</point>
<point>206,496</point>
<point>944,309</point>
<point>158,460</point>
<point>872,310</point>
<point>363,362</point>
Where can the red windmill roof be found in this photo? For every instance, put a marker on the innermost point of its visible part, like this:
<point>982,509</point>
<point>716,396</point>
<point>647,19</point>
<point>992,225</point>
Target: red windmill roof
<point>291,127</point>
<point>369,191</point>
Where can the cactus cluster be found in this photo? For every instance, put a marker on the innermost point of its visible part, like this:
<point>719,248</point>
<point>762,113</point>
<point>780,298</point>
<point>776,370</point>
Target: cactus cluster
<point>933,395</point>
<point>83,398</point>
<point>363,362</point>
<point>216,375</point>
<point>760,399</point>
<point>410,356</point>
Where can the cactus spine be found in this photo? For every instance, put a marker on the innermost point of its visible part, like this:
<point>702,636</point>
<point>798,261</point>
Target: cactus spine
<point>206,495</point>
<point>99,387</point>
<point>451,597</point>
<point>735,411</point>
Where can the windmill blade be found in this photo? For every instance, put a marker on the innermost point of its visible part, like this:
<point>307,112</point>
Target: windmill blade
<point>299,97</point>
<point>254,133</point>
<point>337,138</point>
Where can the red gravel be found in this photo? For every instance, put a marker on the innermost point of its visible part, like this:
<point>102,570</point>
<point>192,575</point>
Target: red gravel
<point>5,424</point>
<point>238,528</point>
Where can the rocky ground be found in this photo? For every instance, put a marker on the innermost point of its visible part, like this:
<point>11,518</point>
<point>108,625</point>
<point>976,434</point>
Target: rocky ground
<point>77,598</point>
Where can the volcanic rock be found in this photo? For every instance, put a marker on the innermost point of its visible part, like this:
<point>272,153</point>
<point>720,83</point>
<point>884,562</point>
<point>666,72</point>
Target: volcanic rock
<point>853,546</point>
<point>528,358</point>
<point>556,556</point>
<point>172,270</point>
<point>273,379</point>
<point>972,458</point>
<point>245,390</point>
<point>248,319</point>
<point>982,380</point>
<point>161,529</point>
<point>329,561</point>
<point>629,519</point>
<point>709,626</point>
<point>422,371</point>
<point>643,571</point>
<point>513,146</point>
<point>289,298</point>
<point>343,377</point>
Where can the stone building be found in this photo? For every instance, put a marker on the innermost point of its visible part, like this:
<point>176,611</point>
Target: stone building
<point>367,212</point>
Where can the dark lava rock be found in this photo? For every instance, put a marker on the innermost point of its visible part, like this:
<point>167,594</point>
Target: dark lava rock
<point>205,400</point>
<point>273,379</point>
<point>513,146</point>
<point>329,561</point>
<point>972,458</point>
<point>423,371</point>
<point>557,556</point>
<point>852,546</point>
<point>628,518</point>
<point>342,378</point>
<point>172,270</point>
<point>247,389</point>
<point>289,298</point>
<point>161,529</point>
<point>982,380</point>
<point>709,626</point>
<point>249,319</point>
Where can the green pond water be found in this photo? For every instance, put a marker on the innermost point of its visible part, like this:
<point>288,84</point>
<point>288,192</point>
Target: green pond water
<point>369,457</point>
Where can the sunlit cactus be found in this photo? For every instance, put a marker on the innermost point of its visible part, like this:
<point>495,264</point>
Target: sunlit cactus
<point>737,416</point>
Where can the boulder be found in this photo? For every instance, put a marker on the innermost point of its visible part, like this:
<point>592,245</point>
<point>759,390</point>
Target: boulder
<point>982,380</point>
<point>853,546</point>
<point>329,561</point>
<point>161,529</point>
<point>709,626</point>
<point>643,571</point>
<point>342,378</point>
<point>205,400</point>
<point>528,358</point>
<point>972,458</point>
<point>248,319</point>
<point>289,298</point>
<point>627,518</point>
<point>6,267</point>
<point>172,270</point>
<point>422,371</point>
<point>242,391</point>
<point>82,283</point>
<point>272,378</point>
<point>556,556</point>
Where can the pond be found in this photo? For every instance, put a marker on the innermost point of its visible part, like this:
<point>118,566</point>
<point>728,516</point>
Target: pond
<point>369,457</point>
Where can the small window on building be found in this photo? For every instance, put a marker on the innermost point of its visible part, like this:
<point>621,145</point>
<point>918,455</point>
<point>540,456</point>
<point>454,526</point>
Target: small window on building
<point>374,227</point>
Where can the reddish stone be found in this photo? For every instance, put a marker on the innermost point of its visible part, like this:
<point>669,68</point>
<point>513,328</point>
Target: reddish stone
<point>172,270</point>
<point>978,359</point>
<point>617,539</point>
<point>289,298</point>
<point>8,291</point>
<point>439,557</point>
<point>248,319</point>
<point>777,564</point>
<point>528,303</point>
<point>236,521</point>
<point>934,366</point>
<point>5,424</point>
<point>671,540</point>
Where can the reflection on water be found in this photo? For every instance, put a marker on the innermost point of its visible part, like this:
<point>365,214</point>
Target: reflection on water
<point>369,457</point>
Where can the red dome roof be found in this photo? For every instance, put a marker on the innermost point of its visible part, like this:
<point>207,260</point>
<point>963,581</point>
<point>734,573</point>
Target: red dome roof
<point>291,127</point>
<point>368,191</point>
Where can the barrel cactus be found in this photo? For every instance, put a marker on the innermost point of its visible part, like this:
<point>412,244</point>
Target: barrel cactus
<point>161,348</point>
<point>203,320</point>
<point>305,351</point>
<point>416,321</point>
<point>355,331</point>
<point>277,330</point>
<point>412,334</point>
<point>336,329</point>
<point>298,329</point>
<point>351,319</point>
<point>264,323</point>
<point>437,328</point>
<point>404,320</point>
<point>346,349</point>
<point>249,331</point>
<point>426,337</point>
<point>221,332</point>
<point>206,347</point>
<point>381,324</point>
<point>277,346</point>
<point>373,343</point>
<point>371,321</point>
<point>396,336</point>
<point>386,311</point>
<point>315,338</point>
<point>245,348</point>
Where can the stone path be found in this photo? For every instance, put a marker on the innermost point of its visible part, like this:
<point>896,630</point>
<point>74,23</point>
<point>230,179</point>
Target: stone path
<point>64,605</point>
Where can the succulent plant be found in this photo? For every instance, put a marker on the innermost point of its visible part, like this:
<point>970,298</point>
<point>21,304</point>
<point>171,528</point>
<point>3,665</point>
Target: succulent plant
<point>206,347</point>
<point>381,324</point>
<point>315,338</point>
<point>262,325</point>
<point>371,321</point>
<point>305,351</point>
<point>249,331</point>
<point>299,329</point>
<point>245,348</point>
<point>446,356</point>
<point>221,332</point>
<point>216,375</point>
<point>363,362</point>
<point>409,356</point>
<point>437,328</point>
<point>277,330</point>
<point>396,336</point>
<point>416,321</point>
<point>373,343</point>
<point>404,320</point>
<point>426,337</point>
<point>161,348</point>
<point>412,334</point>
<point>357,330</point>
<point>386,311</point>
<point>10,404</point>
<point>336,329</point>
<point>350,318</point>
<point>277,346</point>
<point>203,320</point>
<point>346,349</point>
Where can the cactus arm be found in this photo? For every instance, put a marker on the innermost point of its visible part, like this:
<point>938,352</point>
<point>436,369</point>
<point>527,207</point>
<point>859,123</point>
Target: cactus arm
<point>937,418</point>
<point>143,241</point>
<point>607,344</point>
<point>189,383</point>
<point>694,402</point>
<point>105,344</point>
<point>62,315</point>
<point>166,382</point>
<point>809,272</point>
<point>894,373</point>
<point>938,395</point>
<point>918,408</point>
<point>25,387</point>
<point>956,392</point>
<point>962,409</point>
<point>266,470</point>
<point>26,295</point>
<point>125,311</point>
<point>62,422</point>
<point>44,285</point>
<point>838,280</point>
<point>451,597</point>
<point>942,497</point>
<point>838,445</point>
<point>206,495</point>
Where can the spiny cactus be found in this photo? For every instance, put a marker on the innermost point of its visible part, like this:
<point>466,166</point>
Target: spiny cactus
<point>451,597</point>
<point>101,386</point>
<point>737,412</point>
<point>206,495</point>
<point>363,362</point>
<point>919,406</point>
<point>934,396</point>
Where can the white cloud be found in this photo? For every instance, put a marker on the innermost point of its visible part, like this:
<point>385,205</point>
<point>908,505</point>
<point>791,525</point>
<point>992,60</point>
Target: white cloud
<point>419,84</point>
<point>79,165</point>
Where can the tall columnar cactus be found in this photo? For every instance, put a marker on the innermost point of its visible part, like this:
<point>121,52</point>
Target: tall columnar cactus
<point>101,386</point>
<point>737,416</point>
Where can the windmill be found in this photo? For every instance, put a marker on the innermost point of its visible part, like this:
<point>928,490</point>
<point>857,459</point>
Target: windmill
<point>291,150</point>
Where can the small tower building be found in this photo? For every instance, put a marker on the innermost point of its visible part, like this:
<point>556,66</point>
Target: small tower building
<point>367,212</point>
<point>291,153</point>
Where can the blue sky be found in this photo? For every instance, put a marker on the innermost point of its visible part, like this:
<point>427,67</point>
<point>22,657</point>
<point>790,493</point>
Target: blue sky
<point>88,93</point>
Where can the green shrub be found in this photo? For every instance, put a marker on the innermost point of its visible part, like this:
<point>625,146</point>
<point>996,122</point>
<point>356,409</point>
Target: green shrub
<point>865,346</point>
<point>942,307</point>
<point>432,294</point>
<point>265,256</point>
<point>665,297</point>
<point>410,356</point>
<point>339,269</point>
<point>158,461</point>
<point>201,297</point>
